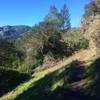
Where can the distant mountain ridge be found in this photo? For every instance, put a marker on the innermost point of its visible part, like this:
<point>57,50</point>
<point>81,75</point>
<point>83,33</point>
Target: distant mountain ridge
<point>13,32</point>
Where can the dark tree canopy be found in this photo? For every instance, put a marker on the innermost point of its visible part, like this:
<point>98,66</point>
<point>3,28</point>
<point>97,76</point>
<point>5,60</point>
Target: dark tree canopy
<point>8,53</point>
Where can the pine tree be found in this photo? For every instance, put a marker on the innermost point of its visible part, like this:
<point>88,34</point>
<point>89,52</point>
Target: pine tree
<point>66,17</point>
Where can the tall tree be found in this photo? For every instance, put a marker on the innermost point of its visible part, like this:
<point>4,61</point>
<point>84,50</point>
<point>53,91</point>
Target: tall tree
<point>54,18</point>
<point>66,17</point>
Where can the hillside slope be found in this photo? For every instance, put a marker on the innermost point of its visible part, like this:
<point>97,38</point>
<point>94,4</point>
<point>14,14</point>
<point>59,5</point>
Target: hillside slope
<point>21,90</point>
<point>90,29</point>
<point>13,32</point>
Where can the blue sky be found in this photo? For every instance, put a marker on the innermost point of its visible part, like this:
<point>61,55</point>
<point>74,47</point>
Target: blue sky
<point>30,12</point>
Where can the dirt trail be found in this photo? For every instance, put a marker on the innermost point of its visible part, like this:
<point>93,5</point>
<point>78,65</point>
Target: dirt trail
<point>82,55</point>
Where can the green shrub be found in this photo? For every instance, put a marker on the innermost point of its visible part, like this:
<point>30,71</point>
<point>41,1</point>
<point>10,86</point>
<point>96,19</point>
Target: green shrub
<point>72,45</point>
<point>96,39</point>
<point>9,54</point>
<point>93,87</point>
<point>9,79</point>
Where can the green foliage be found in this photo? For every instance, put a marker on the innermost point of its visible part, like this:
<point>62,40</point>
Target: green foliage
<point>54,85</point>
<point>60,20</point>
<point>9,54</point>
<point>94,78</point>
<point>54,17</point>
<point>46,38</point>
<point>73,44</point>
<point>9,79</point>
<point>96,39</point>
<point>43,40</point>
<point>92,8</point>
<point>43,88</point>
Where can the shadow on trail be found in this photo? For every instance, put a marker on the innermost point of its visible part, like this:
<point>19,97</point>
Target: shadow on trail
<point>94,75</point>
<point>67,94</point>
<point>41,90</point>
